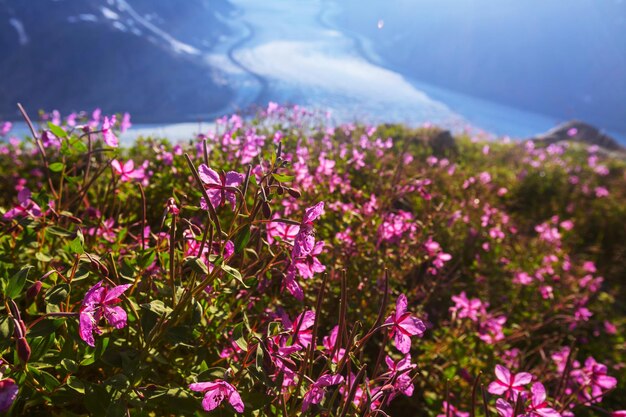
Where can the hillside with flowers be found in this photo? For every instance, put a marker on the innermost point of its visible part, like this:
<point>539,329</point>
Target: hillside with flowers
<point>283,266</point>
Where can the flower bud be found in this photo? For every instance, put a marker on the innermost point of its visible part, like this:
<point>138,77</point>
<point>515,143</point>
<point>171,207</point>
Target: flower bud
<point>33,290</point>
<point>23,350</point>
<point>293,193</point>
<point>267,211</point>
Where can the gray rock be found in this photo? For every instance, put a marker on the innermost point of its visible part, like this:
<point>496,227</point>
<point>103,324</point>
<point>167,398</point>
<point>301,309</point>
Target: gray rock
<point>578,131</point>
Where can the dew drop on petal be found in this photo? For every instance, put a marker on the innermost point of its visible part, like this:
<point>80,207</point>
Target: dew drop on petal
<point>381,24</point>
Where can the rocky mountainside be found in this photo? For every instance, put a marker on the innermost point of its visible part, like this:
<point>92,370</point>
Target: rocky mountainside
<point>147,57</point>
<point>578,131</point>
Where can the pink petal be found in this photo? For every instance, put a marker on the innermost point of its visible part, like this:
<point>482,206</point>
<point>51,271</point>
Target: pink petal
<point>327,380</point>
<point>413,326</point>
<point>312,213</point>
<point>504,408</point>
<point>94,294</point>
<point>115,292</point>
<point>229,249</point>
<point>233,179</point>
<point>403,342</point>
<point>293,287</point>
<point>390,363</point>
<point>116,316</point>
<point>539,393</point>
<point>503,374</point>
<point>23,196</point>
<point>86,324</point>
<point>8,393</point>
<point>235,400</point>
<point>129,166</point>
<point>548,412</point>
<point>523,378</point>
<point>208,176</point>
<point>606,382</point>
<point>212,399</point>
<point>401,305</point>
<point>497,388</point>
<point>307,321</point>
<point>203,386</point>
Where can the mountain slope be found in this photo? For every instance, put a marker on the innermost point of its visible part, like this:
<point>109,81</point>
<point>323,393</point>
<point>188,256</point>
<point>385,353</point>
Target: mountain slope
<point>115,54</point>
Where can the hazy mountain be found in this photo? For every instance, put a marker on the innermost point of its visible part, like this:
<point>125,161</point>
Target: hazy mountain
<point>142,56</point>
<point>565,58</point>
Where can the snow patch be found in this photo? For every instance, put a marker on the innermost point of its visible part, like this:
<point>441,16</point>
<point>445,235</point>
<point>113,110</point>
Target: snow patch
<point>19,28</point>
<point>176,45</point>
<point>109,14</point>
<point>119,26</point>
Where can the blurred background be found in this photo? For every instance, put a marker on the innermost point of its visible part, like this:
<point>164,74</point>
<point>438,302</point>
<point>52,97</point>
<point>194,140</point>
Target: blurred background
<point>510,67</point>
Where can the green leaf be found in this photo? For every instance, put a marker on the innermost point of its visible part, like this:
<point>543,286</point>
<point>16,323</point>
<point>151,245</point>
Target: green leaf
<point>234,273</point>
<point>65,149</point>
<point>79,146</point>
<point>117,408</point>
<point>5,328</point>
<point>197,265</point>
<point>157,307</point>
<point>57,294</point>
<point>45,327</point>
<point>56,167</point>
<point>17,281</point>
<point>58,231</point>
<point>49,381</point>
<point>283,177</point>
<point>57,130</point>
<point>40,256</point>
<point>146,259</point>
<point>242,239</point>
<point>239,337</point>
<point>76,246</point>
<point>76,384</point>
<point>69,365</point>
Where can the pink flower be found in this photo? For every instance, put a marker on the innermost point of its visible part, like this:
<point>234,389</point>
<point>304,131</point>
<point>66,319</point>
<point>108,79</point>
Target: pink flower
<point>309,265</point>
<point>538,406</point>
<point>522,278</point>
<point>404,325</point>
<point>490,329</point>
<point>303,246</point>
<point>8,393</point>
<point>285,231</point>
<point>301,328</point>
<point>25,207</point>
<point>216,392</point>
<point>454,412</point>
<point>467,308</point>
<point>401,372</point>
<point>560,359</point>
<point>395,226</point>
<point>601,192</point>
<point>107,132</point>
<point>125,124</point>
<point>504,408</point>
<point>316,392</point>
<point>594,377</point>
<point>217,186</point>
<point>510,385</point>
<point>127,171</point>
<point>5,128</point>
<point>100,302</point>
<point>329,343</point>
